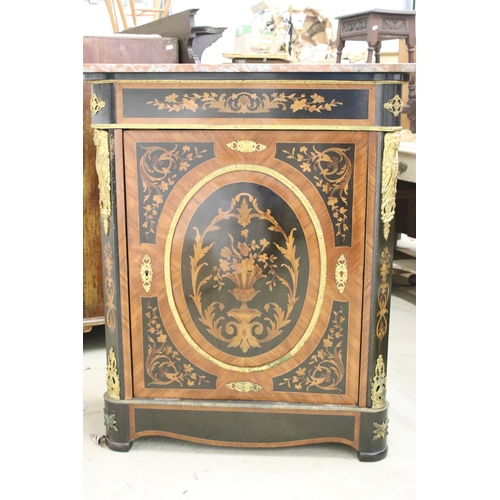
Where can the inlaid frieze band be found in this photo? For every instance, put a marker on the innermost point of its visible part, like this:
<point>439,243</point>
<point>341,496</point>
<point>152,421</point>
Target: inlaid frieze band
<point>164,365</point>
<point>330,168</point>
<point>324,370</point>
<point>302,103</point>
<point>390,167</point>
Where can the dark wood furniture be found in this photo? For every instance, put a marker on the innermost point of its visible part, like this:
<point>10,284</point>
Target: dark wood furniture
<point>192,40</point>
<point>373,27</point>
<point>106,49</point>
<point>247,243</point>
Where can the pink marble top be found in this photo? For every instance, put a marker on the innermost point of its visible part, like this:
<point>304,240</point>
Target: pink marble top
<point>252,68</point>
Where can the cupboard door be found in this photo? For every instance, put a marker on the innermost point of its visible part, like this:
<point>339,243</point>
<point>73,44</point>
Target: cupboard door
<point>246,253</point>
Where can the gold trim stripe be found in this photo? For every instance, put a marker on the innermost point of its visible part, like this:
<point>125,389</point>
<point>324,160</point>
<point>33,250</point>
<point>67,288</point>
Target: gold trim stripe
<point>234,126</point>
<point>322,265</point>
<point>293,82</point>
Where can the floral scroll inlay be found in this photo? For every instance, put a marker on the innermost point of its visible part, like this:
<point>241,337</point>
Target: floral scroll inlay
<point>159,169</point>
<point>383,295</point>
<point>381,431</point>
<point>246,259</point>
<point>246,146</point>
<point>164,364</point>
<point>324,370</point>
<point>394,105</point>
<point>104,175</point>
<point>245,102</point>
<point>341,273</point>
<point>331,170</point>
<point>109,288</point>
<point>390,166</point>
<point>244,386</point>
<point>112,379</point>
<point>379,385</point>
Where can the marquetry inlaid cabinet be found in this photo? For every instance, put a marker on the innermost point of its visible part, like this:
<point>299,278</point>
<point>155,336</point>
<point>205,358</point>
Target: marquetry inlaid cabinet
<point>247,220</point>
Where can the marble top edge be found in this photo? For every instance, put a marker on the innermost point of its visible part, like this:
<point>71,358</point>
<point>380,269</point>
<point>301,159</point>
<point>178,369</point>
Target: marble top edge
<point>252,68</point>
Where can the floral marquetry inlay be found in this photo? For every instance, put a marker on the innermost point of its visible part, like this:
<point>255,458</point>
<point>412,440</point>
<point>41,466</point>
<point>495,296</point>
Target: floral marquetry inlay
<point>245,102</point>
<point>160,166</point>
<point>324,370</point>
<point>249,257</point>
<point>330,168</point>
<point>165,365</point>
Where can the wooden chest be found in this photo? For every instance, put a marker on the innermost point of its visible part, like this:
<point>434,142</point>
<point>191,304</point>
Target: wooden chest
<point>247,226</point>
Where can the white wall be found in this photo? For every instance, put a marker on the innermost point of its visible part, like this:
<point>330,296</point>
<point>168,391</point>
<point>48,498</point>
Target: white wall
<point>233,13</point>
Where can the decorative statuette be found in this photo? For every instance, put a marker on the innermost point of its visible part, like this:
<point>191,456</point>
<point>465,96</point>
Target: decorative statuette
<point>394,105</point>
<point>341,273</point>
<point>246,146</point>
<point>112,379</point>
<point>380,429</point>
<point>379,385</point>
<point>244,386</point>
<point>96,104</point>
<point>390,166</point>
<point>146,272</point>
<point>104,175</point>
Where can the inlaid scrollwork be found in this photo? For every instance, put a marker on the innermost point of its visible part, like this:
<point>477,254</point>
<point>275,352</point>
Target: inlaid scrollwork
<point>243,262</point>
<point>331,170</point>
<point>245,102</point>
<point>383,294</point>
<point>159,169</point>
<point>379,385</point>
<point>112,378</point>
<point>109,288</point>
<point>164,364</point>
<point>104,175</point>
<point>324,370</point>
<point>390,165</point>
